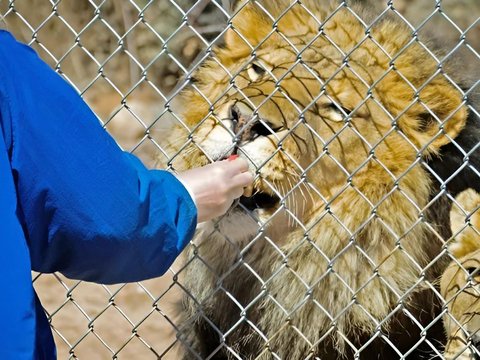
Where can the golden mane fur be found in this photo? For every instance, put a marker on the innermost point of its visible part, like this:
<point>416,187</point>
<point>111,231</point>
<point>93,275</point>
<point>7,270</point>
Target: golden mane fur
<point>348,252</point>
<point>460,281</point>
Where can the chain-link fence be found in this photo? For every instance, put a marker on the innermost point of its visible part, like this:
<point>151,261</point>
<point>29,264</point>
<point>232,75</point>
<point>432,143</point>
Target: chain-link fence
<point>360,121</point>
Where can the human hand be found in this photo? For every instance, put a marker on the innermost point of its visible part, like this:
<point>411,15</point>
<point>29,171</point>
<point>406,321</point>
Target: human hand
<point>214,187</point>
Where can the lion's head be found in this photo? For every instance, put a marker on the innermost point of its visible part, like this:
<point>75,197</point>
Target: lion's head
<point>317,103</point>
<point>460,283</point>
<point>335,115</point>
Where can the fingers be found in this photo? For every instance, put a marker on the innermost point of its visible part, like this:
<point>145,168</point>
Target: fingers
<point>236,193</point>
<point>240,183</point>
<point>242,180</point>
<point>236,165</point>
<point>248,191</point>
<point>216,186</point>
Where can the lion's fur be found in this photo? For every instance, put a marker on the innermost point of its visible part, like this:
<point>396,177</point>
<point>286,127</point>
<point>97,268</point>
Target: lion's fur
<point>350,257</point>
<point>460,281</point>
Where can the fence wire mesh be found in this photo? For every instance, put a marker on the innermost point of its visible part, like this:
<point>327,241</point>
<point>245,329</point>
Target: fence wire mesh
<point>297,271</point>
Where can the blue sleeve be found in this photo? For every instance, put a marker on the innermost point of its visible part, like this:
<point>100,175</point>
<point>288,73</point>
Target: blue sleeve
<point>88,209</point>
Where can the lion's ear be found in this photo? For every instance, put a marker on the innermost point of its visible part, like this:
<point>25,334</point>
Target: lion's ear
<point>250,25</point>
<point>439,116</point>
<point>465,223</point>
<point>255,21</point>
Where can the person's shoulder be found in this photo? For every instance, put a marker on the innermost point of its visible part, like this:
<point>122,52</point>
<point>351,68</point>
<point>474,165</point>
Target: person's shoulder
<point>7,39</point>
<point>4,33</point>
<point>15,53</point>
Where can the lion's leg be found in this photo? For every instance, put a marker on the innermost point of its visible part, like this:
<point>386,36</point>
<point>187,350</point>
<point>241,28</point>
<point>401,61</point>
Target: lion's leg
<point>199,341</point>
<point>457,348</point>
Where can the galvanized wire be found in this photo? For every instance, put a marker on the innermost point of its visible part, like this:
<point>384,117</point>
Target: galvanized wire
<point>130,60</point>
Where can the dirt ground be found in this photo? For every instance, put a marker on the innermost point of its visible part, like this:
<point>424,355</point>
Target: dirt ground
<point>95,322</point>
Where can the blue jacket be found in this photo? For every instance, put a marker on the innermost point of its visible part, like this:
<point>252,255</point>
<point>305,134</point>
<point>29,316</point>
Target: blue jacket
<point>71,200</point>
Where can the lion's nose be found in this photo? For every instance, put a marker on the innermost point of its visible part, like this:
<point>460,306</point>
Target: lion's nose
<point>248,127</point>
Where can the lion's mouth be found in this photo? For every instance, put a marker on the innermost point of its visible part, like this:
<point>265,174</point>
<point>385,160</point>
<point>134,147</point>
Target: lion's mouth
<point>259,200</point>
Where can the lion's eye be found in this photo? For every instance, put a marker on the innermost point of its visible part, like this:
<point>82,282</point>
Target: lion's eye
<point>473,271</point>
<point>338,112</point>
<point>255,71</point>
<point>265,128</point>
<point>473,274</point>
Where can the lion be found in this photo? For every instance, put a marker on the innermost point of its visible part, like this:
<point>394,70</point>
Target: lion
<point>460,282</point>
<point>344,123</point>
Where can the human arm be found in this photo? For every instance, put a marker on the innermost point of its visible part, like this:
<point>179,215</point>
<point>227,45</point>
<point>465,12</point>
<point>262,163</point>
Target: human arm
<point>88,209</point>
